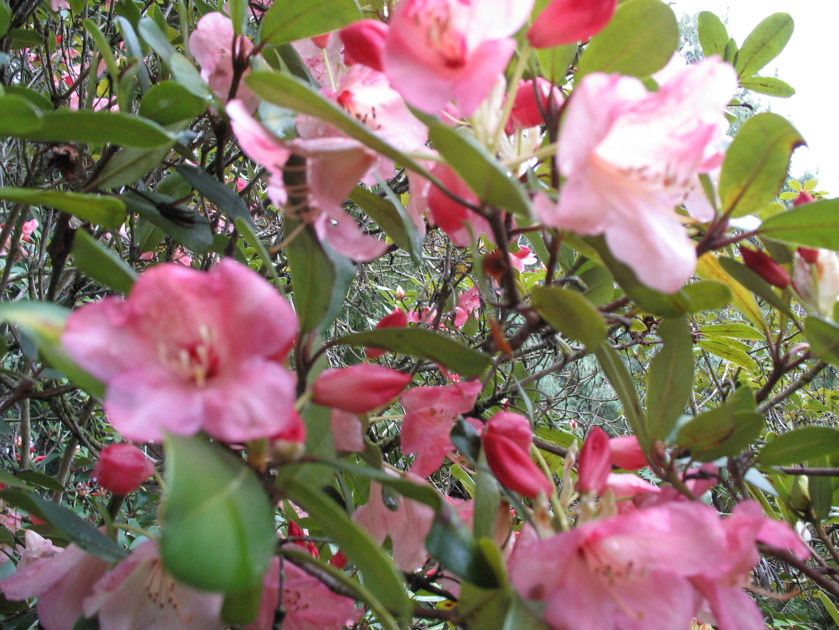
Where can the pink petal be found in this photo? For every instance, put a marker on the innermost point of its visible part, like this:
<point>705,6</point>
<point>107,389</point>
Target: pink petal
<point>347,431</point>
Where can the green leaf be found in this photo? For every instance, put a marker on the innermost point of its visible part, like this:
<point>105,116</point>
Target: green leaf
<point>97,127</point>
<point>102,264</point>
<point>419,342</point>
<point>754,283</point>
<point>101,210</point>
<point>823,337</point>
<point>40,479</point>
<point>670,379</point>
<point>238,15</point>
<point>764,43</point>
<point>224,198</point>
<point>379,575</point>
<point>37,99</point>
<point>391,218</point>
<point>252,239</point>
<point>571,314</point>
<point>18,115</point>
<point>738,331</point>
<point>290,20</point>
<point>769,86</point>
<point>720,432</point>
<point>243,606</point>
<point>217,523</point>
<point>799,445</point>
<point>81,533</point>
<point>20,38</point>
<point>811,225</point>
<point>451,542</point>
<point>624,387</point>
<point>555,61</point>
<point>187,76</point>
<point>319,279</point>
<point>169,102</point>
<point>829,606</point>
<point>197,238</point>
<point>726,349</point>
<point>129,165</point>
<point>5,17</point>
<point>756,163</point>
<point>487,178</point>
<point>639,40</point>
<point>154,37</point>
<point>712,34</point>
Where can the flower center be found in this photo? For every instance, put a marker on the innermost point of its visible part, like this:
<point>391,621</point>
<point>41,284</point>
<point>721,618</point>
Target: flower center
<point>160,590</point>
<point>197,361</point>
<point>435,20</point>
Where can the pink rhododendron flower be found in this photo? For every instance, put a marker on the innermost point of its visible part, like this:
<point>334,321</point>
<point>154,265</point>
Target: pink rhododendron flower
<point>522,258</point>
<point>527,110</point>
<point>441,50</point>
<point>595,462</point>
<point>308,603</point>
<point>765,266</point>
<point>347,431</point>
<point>333,167</point>
<point>456,220</point>
<point>568,21</point>
<point>430,414</point>
<point>122,468</point>
<point>507,438</point>
<point>364,42</point>
<point>629,156</point>
<point>139,593</point>
<point>396,319</point>
<point>407,525</point>
<point>358,388</point>
<point>626,453</point>
<point>188,351</point>
<point>816,278</point>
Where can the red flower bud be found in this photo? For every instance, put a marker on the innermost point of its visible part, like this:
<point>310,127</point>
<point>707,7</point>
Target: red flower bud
<point>321,41</point>
<point>339,560</point>
<point>122,468</point>
<point>507,439</point>
<point>626,453</point>
<point>803,197</point>
<point>763,265</point>
<point>358,388</point>
<point>595,462</point>
<point>569,21</point>
<point>363,43</point>
<point>526,111</point>
<point>809,254</point>
<point>397,319</point>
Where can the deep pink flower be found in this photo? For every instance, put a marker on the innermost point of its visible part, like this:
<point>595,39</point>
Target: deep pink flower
<point>430,414</point>
<point>521,258</point>
<point>122,468</point>
<point>765,266</point>
<point>527,111</point>
<point>803,197</point>
<point>626,453</point>
<point>595,462</point>
<point>442,50</point>
<point>396,319</point>
<point>347,431</point>
<point>358,388</point>
<point>188,351</point>
<point>456,220</point>
<point>139,593</point>
<point>629,156</point>
<point>364,42</point>
<point>568,21</point>
<point>507,439</point>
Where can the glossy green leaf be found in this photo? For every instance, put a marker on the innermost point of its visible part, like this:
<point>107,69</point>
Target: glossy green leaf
<point>422,343</point>
<point>18,115</point>
<point>169,102</point>
<point>224,198</point>
<point>40,479</point>
<point>670,379</point>
<point>800,445</point>
<point>81,533</point>
<point>738,331</point>
<point>101,210</point>
<point>319,279</point>
<point>379,575</point>
<point>756,163</point>
<point>129,165</point>
<point>217,523</point>
<point>823,337</point>
<point>726,349</point>
<point>97,127</point>
<point>811,225</point>
<point>390,217</point>
<point>189,77</point>
<point>37,99</point>
<point>624,386</point>
<point>102,264</point>
<point>571,314</point>
<point>640,39</point>
<point>754,283</point>
<point>712,34</point>
<point>769,86</point>
<point>290,20</point>
<point>720,432</point>
<point>5,17</point>
<point>764,43</point>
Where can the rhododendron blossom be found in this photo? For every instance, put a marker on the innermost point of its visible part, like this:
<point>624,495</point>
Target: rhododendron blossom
<point>188,351</point>
<point>441,50</point>
<point>568,21</point>
<point>507,439</point>
<point>629,157</point>
<point>816,278</point>
<point>358,388</point>
<point>122,468</point>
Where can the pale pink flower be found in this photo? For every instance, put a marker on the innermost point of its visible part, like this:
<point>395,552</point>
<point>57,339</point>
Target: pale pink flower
<point>188,351</point>
<point>333,167</point>
<point>29,228</point>
<point>347,431</point>
<point>308,603</point>
<point>35,547</point>
<point>441,50</point>
<point>629,156</point>
<point>430,414</point>
<point>407,525</point>
<point>817,280</point>
<point>568,21</point>
<point>138,593</point>
<point>520,259</point>
<point>358,388</point>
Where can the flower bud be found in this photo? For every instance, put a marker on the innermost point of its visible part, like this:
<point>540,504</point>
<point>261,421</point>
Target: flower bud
<point>803,197</point>
<point>397,319</point>
<point>816,278</point>
<point>526,110</point>
<point>595,462</point>
<point>363,43</point>
<point>513,426</point>
<point>122,468</point>
<point>358,388</point>
<point>506,439</point>
<point>763,265</point>
<point>321,41</point>
<point>626,453</point>
<point>568,21</point>
<point>290,444</point>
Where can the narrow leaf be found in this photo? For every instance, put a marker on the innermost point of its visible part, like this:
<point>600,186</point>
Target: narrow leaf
<point>571,314</point>
<point>102,264</point>
<point>624,387</point>
<point>764,43</point>
<point>101,210</point>
<point>670,378</point>
<point>799,445</point>
<point>291,20</point>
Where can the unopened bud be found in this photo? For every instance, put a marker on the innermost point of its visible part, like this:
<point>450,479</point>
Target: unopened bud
<point>803,197</point>
<point>763,265</point>
<point>122,468</point>
<point>397,319</point>
<point>363,43</point>
<point>595,462</point>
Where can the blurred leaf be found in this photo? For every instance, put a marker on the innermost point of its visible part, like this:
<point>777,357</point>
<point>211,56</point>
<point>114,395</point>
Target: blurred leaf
<point>5,17</point>
<point>169,102</point>
<point>189,77</point>
<point>624,387</point>
<point>756,163</point>
<point>243,606</point>
<point>198,237</point>
<point>101,210</point>
<point>129,165</point>
<point>391,218</point>
<point>102,264</point>
<point>769,86</point>
<point>20,38</point>
<point>571,314</point>
<point>764,43</point>
<point>154,37</point>
<point>451,542</point>
<point>712,34</point>
<point>640,39</point>
<point>708,266</point>
<point>291,20</point>
<point>217,523</point>
<point>555,61</point>
<point>83,534</point>
<point>829,606</point>
<point>40,479</point>
<point>670,379</point>
<point>18,115</point>
<point>823,337</point>
<point>811,225</point>
<point>720,432</point>
<point>65,125</point>
<point>422,343</point>
<point>37,99</point>
<point>223,197</point>
<point>800,445</point>
<point>251,238</point>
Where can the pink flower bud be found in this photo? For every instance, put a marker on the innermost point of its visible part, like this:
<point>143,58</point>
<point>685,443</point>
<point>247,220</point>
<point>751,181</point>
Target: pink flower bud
<point>512,426</point>
<point>803,197</point>
<point>397,319</point>
<point>763,265</point>
<point>122,468</point>
<point>363,43</point>
<point>568,21</point>
<point>626,453</point>
<point>358,388</point>
<point>595,462</point>
<point>29,227</point>
<point>526,111</point>
<point>513,467</point>
<point>289,444</point>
